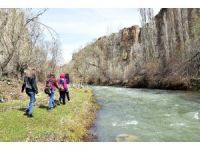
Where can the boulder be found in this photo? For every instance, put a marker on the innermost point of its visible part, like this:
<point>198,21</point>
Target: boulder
<point>126,138</point>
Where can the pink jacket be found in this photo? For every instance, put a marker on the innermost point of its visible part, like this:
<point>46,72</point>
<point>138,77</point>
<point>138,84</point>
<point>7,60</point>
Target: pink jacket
<point>62,78</point>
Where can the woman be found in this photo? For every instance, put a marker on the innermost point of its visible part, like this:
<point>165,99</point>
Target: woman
<point>52,85</point>
<point>31,89</point>
<point>62,88</point>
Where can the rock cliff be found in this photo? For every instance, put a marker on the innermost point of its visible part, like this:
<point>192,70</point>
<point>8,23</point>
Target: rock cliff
<point>163,53</point>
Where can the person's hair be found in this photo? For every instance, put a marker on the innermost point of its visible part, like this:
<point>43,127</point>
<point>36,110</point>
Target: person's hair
<point>66,75</point>
<point>52,75</point>
<point>27,73</point>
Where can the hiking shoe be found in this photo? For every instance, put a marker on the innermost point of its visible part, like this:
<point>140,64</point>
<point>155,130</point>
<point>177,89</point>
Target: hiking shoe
<point>26,113</point>
<point>30,116</point>
<point>54,106</point>
<point>48,109</point>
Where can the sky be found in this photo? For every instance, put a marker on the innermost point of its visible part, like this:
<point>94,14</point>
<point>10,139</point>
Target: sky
<point>77,27</point>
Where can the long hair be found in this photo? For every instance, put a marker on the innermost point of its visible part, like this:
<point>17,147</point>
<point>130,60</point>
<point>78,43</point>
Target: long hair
<point>27,73</point>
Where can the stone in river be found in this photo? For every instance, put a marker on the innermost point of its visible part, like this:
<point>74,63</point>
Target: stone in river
<point>126,138</point>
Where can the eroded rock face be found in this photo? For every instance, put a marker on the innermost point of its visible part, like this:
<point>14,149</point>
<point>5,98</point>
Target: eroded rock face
<point>131,34</point>
<point>133,59</point>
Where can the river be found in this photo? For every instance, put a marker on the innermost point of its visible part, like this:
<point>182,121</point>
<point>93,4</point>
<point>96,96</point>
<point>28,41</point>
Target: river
<point>146,115</point>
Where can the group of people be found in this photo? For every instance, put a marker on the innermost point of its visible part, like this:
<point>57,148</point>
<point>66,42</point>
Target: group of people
<point>30,86</point>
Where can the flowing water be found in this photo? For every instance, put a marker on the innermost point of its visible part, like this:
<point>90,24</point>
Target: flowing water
<point>146,115</point>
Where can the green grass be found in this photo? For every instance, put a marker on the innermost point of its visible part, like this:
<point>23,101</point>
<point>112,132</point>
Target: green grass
<point>68,122</point>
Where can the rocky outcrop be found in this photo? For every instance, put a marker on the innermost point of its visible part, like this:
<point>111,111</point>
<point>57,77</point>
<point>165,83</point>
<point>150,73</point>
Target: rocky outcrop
<point>161,54</point>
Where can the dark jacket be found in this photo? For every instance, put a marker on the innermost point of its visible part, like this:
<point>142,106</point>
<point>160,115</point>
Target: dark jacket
<point>30,84</point>
<point>67,78</point>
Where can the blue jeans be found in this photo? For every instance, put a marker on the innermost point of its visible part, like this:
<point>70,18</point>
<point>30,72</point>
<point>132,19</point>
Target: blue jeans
<point>31,103</point>
<point>51,100</point>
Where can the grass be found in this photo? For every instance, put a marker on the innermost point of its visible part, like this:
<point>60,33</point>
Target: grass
<point>68,122</point>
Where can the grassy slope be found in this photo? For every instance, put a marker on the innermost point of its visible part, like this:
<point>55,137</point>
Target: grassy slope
<point>64,123</point>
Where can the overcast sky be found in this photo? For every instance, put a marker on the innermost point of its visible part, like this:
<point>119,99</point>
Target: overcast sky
<point>78,26</point>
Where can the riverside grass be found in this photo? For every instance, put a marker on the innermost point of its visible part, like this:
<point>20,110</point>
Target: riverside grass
<point>68,122</point>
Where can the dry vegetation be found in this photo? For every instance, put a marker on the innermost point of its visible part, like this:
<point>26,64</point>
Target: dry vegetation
<point>23,44</point>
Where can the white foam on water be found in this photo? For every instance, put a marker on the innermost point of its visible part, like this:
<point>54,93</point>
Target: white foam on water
<point>133,122</point>
<point>114,124</point>
<point>176,124</point>
<point>196,116</point>
<point>167,115</point>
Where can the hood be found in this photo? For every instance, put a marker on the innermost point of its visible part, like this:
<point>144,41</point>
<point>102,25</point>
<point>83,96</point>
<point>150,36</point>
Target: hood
<point>62,75</point>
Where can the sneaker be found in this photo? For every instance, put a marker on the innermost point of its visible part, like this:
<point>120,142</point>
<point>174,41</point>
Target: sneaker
<point>30,116</point>
<point>26,112</point>
<point>54,106</point>
<point>48,109</point>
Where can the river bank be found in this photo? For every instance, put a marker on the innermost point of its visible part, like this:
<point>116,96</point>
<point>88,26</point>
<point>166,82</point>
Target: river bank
<point>168,83</point>
<point>70,122</point>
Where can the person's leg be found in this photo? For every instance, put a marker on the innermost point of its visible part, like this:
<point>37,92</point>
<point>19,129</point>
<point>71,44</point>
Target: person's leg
<point>53,99</point>
<point>27,108</point>
<point>31,104</point>
<point>67,93</point>
<point>60,97</point>
<point>63,96</point>
<point>50,101</point>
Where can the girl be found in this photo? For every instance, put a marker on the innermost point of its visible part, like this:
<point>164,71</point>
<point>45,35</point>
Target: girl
<point>62,88</point>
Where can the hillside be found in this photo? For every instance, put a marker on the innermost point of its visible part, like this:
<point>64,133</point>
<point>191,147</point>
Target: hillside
<point>163,53</point>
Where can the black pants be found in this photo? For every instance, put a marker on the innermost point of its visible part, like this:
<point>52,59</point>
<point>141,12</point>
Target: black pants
<point>62,97</point>
<point>67,93</point>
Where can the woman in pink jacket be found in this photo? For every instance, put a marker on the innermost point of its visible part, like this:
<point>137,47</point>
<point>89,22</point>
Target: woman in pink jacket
<point>62,84</point>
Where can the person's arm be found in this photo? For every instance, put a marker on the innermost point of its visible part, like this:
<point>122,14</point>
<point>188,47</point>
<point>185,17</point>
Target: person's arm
<point>23,85</point>
<point>56,83</point>
<point>34,85</point>
<point>65,84</point>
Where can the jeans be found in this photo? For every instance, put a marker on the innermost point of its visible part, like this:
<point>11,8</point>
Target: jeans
<point>31,103</point>
<point>51,100</point>
<point>62,96</point>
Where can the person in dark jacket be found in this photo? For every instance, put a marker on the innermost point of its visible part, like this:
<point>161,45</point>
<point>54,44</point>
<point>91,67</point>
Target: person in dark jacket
<point>67,90</point>
<point>30,86</point>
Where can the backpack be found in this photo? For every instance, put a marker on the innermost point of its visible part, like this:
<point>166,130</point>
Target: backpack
<point>48,87</point>
<point>61,86</point>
